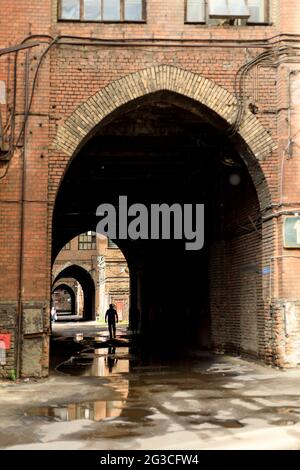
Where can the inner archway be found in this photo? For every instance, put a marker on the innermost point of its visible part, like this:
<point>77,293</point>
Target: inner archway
<point>165,148</point>
<point>84,278</point>
<point>64,299</point>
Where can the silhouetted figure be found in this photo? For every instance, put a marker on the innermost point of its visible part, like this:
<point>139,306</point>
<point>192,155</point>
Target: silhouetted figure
<point>111,360</point>
<point>111,317</point>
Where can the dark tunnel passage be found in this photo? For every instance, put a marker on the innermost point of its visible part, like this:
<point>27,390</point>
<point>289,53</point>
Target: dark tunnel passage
<point>165,150</point>
<point>64,296</point>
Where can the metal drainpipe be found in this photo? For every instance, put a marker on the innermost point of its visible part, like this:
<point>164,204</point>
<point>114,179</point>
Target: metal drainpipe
<point>288,151</point>
<point>22,240</point>
<point>1,132</point>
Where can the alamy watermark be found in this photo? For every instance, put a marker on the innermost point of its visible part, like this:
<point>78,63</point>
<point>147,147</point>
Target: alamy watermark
<point>157,222</point>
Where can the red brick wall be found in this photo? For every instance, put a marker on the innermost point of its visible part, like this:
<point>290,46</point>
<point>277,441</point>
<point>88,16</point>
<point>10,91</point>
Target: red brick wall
<point>33,17</point>
<point>71,74</point>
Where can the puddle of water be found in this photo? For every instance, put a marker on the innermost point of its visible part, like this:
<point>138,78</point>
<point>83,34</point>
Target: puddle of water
<point>98,339</point>
<point>99,362</point>
<point>94,411</point>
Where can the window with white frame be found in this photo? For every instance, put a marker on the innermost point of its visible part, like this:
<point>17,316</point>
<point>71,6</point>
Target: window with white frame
<point>195,11</point>
<point>87,241</point>
<point>102,10</point>
<point>258,11</point>
<point>206,11</point>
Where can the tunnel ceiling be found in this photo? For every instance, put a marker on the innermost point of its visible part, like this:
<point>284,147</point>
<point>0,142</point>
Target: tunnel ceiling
<point>158,152</point>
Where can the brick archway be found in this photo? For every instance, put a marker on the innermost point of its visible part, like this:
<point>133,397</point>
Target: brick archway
<point>81,275</point>
<point>203,97</point>
<point>64,286</point>
<point>164,77</point>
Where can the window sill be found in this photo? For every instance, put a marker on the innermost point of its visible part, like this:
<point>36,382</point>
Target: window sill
<point>102,21</point>
<point>259,24</point>
<point>195,22</point>
<point>198,23</point>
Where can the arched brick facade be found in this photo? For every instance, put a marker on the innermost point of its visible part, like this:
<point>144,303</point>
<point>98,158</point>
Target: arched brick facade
<point>83,84</point>
<point>164,77</point>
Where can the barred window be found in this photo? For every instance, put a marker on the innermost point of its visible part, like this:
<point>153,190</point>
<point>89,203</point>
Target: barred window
<point>87,241</point>
<point>67,246</point>
<point>249,11</point>
<point>102,10</point>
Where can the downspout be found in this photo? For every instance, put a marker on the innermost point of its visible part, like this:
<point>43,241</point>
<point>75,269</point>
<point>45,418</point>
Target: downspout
<point>288,151</point>
<point>1,132</point>
<point>22,231</point>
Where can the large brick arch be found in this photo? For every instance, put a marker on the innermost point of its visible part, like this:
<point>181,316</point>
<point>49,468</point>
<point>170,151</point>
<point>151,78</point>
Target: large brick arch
<point>158,78</point>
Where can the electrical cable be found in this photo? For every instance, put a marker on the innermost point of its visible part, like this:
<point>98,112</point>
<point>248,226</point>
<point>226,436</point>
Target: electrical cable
<point>264,58</point>
<point>239,84</point>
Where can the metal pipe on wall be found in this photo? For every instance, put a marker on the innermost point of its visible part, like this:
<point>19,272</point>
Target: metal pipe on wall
<point>22,231</point>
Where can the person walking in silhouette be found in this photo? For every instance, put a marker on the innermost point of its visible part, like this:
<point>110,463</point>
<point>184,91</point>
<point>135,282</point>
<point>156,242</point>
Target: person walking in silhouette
<point>111,317</point>
<point>111,360</point>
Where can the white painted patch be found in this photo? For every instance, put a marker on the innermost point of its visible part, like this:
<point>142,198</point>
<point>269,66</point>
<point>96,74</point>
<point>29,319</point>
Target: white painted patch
<point>2,92</point>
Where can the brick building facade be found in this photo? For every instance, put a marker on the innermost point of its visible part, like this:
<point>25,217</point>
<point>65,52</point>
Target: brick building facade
<point>173,105</point>
<point>95,269</point>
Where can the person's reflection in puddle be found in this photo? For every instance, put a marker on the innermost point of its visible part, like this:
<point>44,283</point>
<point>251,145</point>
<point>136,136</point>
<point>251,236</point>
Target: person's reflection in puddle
<point>111,360</point>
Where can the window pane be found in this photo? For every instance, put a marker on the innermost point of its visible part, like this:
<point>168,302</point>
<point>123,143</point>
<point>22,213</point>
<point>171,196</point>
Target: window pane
<point>217,7</point>
<point>238,8</point>
<point>87,241</point>
<point>195,11</point>
<point>111,10</point>
<point>92,10</point>
<point>231,8</point>
<point>133,10</point>
<point>257,11</point>
<point>70,9</point>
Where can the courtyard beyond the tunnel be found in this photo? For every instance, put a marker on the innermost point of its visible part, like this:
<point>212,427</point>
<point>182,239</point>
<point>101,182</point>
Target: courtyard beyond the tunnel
<point>108,395</point>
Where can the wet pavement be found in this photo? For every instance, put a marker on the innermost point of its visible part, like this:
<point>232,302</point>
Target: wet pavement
<point>106,395</point>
